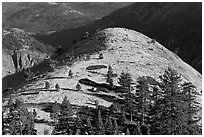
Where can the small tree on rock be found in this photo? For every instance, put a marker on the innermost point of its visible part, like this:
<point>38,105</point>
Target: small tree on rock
<point>109,75</point>
<point>101,56</point>
<point>70,73</point>
<point>78,87</point>
<point>125,81</point>
<point>47,85</point>
<point>127,132</point>
<point>57,87</point>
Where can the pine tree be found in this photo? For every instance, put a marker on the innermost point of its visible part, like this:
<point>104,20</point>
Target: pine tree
<point>57,87</point>
<point>66,112</point>
<point>66,107</point>
<point>89,127</point>
<point>87,57</point>
<point>70,73</point>
<point>100,130</point>
<point>138,131</point>
<point>47,85</point>
<point>78,131</point>
<point>21,122</point>
<point>109,75</point>
<point>116,128</point>
<point>101,56</point>
<point>79,123</point>
<point>78,87</point>
<point>55,112</point>
<point>109,129</point>
<point>127,132</point>
<point>142,99</point>
<point>169,117</point>
<point>34,113</point>
<point>129,105</point>
<point>189,96</point>
<point>29,75</point>
<point>125,81</point>
<point>46,132</point>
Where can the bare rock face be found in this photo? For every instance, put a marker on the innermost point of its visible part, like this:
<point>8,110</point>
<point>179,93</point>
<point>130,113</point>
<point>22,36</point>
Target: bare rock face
<point>124,50</point>
<point>132,52</point>
<point>20,51</point>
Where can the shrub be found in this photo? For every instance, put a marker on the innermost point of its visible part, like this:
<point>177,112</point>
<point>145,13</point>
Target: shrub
<point>47,85</point>
<point>101,56</point>
<point>70,73</point>
<point>109,76</point>
<point>78,87</point>
<point>46,132</point>
<point>57,87</point>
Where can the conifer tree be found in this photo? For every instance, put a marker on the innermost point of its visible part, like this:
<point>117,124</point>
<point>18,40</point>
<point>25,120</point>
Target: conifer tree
<point>77,132</point>
<point>116,128</point>
<point>79,123</point>
<point>89,127</point>
<point>189,96</point>
<point>142,99</point>
<point>57,87</point>
<point>109,126</point>
<point>125,81</point>
<point>70,73</point>
<point>138,131</point>
<point>21,121</point>
<point>55,112</point>
<point>101,56</point>
<point>46,132</point>
<point>63,124</point>
<point>47,85</point>
<point>34,113</point>
<point>129,105</point>
<point>78,87</point>
<point>127,132</point>
<point>109,75</point>
<point>87,57</point>
<point>100,130</point>
<point>170,110</point>
<point>66,107</point>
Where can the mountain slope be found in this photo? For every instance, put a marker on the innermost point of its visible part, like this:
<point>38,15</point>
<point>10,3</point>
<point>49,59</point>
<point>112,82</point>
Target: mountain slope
<point>177,26</point>
<point>41,17</point>
<point>123,49</point>
<point>19,52</point>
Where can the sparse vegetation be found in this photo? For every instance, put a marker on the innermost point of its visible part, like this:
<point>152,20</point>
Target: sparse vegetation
<point>70,74</point>
<point>47,85</point>
<point>101,56</point>
<point>18,121</point>
<point>29,75</point>
<point>109,76</point>
<point>78,87</point>
<point>125,81</point>
<point>57,87</point>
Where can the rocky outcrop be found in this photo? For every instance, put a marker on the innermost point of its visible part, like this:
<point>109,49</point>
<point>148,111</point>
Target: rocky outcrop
<point>19,52</point>
<point>26,59</point>
<point>124,50</point>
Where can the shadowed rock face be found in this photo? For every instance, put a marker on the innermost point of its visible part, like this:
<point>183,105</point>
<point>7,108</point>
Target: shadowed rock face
<point>19,52</point>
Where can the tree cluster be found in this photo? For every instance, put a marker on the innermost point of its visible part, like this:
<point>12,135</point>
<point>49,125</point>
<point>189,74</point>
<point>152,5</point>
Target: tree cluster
<point>18,121</point>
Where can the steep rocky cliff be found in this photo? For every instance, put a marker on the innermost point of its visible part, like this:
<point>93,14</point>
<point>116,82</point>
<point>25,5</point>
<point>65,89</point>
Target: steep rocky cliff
<point>19,52</point>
